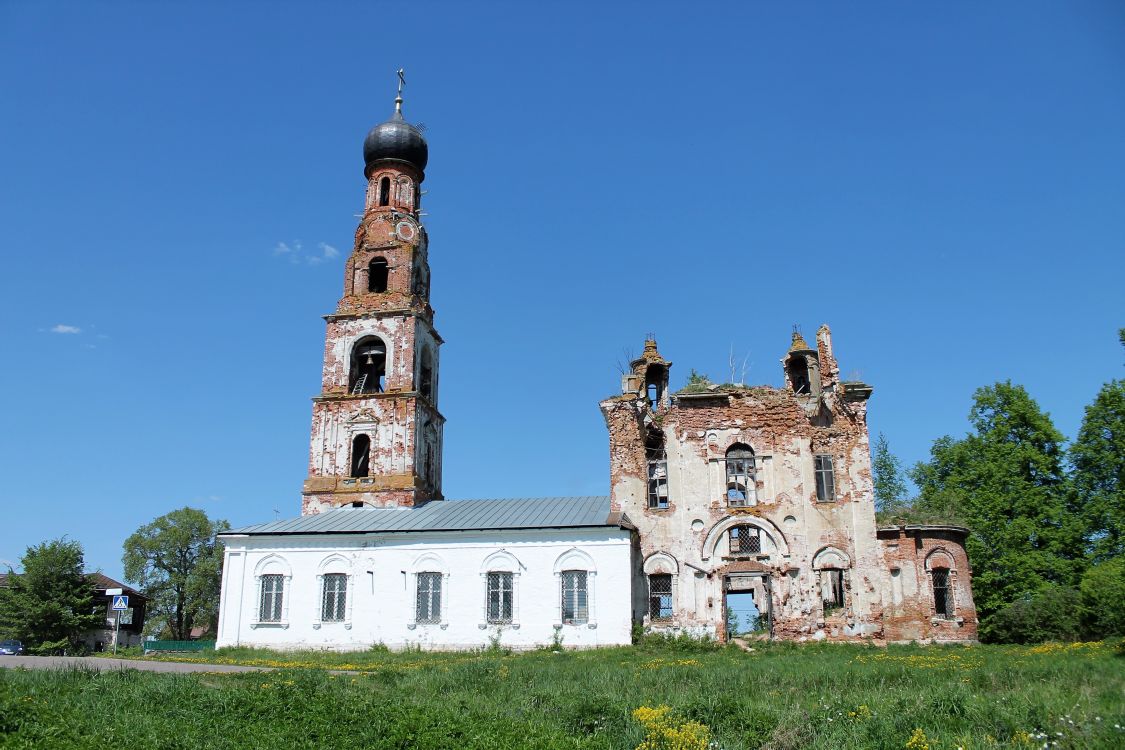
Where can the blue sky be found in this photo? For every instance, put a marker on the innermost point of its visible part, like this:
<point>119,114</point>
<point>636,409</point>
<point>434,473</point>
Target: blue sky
<point>943,184</point>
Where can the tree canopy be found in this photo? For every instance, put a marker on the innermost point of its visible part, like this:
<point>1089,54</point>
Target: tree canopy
<point>1007,480</point>
<point>890,484</point>
<point>177,562</point>
<point>1099,472</point>
<point>51,603</point>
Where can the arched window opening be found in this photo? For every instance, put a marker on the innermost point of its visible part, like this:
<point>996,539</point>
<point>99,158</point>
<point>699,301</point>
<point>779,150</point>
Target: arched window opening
<point>799,375</point>
<point>431,455</point>
<point>361,455</point>
<point>657,460</point>
<point>943,596</point>
<point>377,274</point>
<point>655,379</point>
<point>421,278</point>
<point>368,366</point>
<point>385,191</point>
<point>740,474</point>
<point>426,375</point>
<point>744,540</point>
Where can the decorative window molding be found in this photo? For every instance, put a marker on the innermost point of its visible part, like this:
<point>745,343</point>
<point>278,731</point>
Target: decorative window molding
<point>329,599</point>
<point>493,606</point>
<point>428,573</point>
<point>272,579</point>
<point>831,557</point>
<point>772,540</point>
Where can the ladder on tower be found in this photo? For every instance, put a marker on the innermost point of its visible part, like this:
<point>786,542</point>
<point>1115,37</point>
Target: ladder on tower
<point>359,383</point>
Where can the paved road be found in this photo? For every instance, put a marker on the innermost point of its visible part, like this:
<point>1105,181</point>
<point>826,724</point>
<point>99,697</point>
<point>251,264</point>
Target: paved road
<point>62,662</point>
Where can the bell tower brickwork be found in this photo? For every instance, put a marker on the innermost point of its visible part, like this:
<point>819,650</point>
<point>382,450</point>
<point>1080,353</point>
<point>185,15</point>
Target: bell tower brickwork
<point>376,429</point>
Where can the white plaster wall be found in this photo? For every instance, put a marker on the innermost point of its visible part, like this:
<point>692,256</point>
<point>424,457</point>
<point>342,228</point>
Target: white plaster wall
<point>342,336</point>
<point>381,603</point>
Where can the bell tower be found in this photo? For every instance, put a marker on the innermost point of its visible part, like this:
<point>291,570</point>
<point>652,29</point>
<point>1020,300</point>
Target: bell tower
<point>376,428</point>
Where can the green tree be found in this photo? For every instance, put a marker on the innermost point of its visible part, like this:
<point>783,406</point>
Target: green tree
<point>890,485</point>
<point>51,603</point>
<point>1098,456</point>
<point>1006,479</point>
<point>1103,598</point>
<point>178,563</point>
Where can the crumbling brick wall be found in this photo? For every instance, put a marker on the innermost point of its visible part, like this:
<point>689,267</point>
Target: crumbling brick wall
<point>909,555</point>
<point>801,534</point>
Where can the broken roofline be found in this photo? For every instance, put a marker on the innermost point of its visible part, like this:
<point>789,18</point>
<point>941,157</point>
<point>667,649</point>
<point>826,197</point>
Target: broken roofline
<point>953,529</point>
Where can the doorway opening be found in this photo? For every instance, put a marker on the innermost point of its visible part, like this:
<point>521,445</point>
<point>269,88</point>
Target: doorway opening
<point>747,606</point>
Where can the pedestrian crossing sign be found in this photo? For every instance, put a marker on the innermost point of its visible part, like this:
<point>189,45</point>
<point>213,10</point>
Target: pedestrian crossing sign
<point>120,603</point>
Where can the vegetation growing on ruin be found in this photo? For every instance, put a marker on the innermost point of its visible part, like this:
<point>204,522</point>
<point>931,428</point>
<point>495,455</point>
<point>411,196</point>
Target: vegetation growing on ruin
<point>779,696</point>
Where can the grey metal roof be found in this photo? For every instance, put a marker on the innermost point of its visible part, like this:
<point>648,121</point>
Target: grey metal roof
<point>451,515</point>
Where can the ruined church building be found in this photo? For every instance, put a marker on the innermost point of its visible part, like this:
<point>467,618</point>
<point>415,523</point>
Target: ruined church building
<point>732,509</point>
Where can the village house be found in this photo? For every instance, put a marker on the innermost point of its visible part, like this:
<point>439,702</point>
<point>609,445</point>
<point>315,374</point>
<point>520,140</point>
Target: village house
<point>733,510</point>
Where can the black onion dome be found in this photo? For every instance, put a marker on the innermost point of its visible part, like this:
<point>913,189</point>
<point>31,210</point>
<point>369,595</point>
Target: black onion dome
<point>395,139</point>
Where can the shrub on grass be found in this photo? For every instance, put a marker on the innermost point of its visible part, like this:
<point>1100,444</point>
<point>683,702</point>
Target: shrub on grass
<point>682,642</point>
<point>1103,598</point>
<point>1051,614</point>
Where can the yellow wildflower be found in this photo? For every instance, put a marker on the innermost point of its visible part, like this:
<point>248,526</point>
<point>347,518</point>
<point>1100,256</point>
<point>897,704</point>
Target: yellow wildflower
<point>918,741</point>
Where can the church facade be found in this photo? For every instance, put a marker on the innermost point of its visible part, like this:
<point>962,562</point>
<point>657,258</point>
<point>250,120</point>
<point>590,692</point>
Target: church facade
<point>734,510</point>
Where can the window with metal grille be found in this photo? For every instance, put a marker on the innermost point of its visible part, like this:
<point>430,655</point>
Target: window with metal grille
<point>334,599</point>
<point>745,540</point>
<point>740,474</point>
<point>825,479</point>
<point>500,598</point>
<point>943,597</point>
<point>832,589</point>
<point>657,471</point>
<point>575,608</point>
<point>660,596</point>
<point>428,605</point>
<point>269,609</point>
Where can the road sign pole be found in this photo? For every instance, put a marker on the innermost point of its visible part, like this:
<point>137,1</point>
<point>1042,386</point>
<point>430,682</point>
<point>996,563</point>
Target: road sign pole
<point>119,605</point>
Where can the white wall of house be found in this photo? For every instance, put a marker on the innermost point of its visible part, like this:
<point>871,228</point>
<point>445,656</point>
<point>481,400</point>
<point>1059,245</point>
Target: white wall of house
<point>382,571</point>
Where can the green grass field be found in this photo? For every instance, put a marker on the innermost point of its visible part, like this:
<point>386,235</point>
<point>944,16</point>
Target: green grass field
<point>780,696</point>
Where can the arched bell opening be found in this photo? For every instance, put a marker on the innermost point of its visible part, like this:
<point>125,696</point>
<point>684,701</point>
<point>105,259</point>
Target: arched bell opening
<point>368,366</point>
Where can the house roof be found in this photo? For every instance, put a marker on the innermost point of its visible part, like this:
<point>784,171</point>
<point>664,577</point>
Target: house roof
<point>451,515</point>
<point>101,583</point>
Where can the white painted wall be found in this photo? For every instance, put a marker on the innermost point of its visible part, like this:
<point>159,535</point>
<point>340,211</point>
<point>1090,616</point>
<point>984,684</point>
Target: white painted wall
<point>380,606</point>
